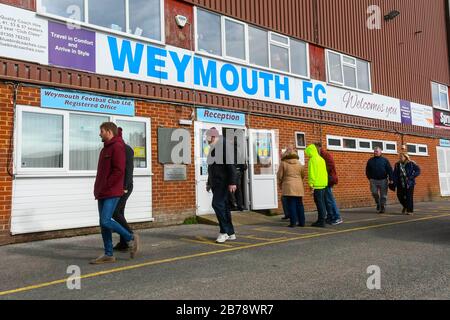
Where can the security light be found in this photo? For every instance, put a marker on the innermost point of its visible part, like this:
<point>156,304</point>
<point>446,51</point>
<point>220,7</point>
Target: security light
<point>181,20</point>
<point>391,15</point>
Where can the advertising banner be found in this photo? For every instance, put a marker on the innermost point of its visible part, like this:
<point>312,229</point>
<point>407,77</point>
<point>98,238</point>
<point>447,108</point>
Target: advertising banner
<point>26,36</point>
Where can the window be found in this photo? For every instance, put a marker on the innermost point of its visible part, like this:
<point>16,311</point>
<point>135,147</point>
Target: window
<point>235,39</point>
<point>360,145</point>
<point>134,134</point>
<point>417,149</point>
<point>348,71</point>
<point>350,144</point>
<point>70,9</point>
<point>440,96</point>
<point>209,32</point>
<point>111,19</point>
<point>365,145</point>
<point>258,46</point>
<point>377,144</point>
<point>279,52</point>
<point>63,142</point>
<point>225,37</point>
<point>42,148</point>
<point>300,140</point>
<point>138,18</point>
<point>84,143</point>
<point>299,58</point>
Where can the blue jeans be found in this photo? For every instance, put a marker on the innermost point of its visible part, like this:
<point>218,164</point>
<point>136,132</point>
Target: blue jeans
<point>296,210</point>
<point>106,209</point>
<point>285,206</point>
<point>221,207</point>
<point>330,202</point>
<point>319,199</point>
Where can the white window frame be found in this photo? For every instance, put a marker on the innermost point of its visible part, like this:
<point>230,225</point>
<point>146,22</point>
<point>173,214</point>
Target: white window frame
<point>125,33</point>
<point>441,89</point>
<point>304,138</point>
<point>369,149</point>
<point>224,39</point>
<point>418,153</point>
<point>343,63</point>
<point>65,170</point>
<point>280,45</point>
<point>19,142</point>
<point>148,137</point>
<point>246,62</point>
<point>358,148</point>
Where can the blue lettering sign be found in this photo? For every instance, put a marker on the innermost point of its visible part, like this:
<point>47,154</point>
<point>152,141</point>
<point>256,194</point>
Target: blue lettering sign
<point>153,62</point>
<point>205,77</point>
<point>181,65</point>
<point>126,53</point>
<point>234,85</point>
<point>245,86</point>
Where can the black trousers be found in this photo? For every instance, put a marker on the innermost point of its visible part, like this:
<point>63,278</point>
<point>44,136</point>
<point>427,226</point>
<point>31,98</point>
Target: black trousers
<point>406,198</point>
<point>221,206</point>
<point>119,213</point>
<point>237,198</point>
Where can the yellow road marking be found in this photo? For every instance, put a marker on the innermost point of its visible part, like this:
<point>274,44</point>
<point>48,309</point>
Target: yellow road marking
<point>278,232</point>
<point>212,243</point>
<point>263,239</point>
<point>210,253</point>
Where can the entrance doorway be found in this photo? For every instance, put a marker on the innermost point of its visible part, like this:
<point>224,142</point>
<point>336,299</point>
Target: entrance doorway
<point>258,183</point>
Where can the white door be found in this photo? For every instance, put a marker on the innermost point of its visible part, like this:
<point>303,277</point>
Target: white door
<point>263,155</point>
<point>204,198</point>
<point>444,170</point>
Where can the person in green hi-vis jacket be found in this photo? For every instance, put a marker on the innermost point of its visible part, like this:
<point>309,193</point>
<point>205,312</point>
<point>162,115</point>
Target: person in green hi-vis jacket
<point>318,182</point>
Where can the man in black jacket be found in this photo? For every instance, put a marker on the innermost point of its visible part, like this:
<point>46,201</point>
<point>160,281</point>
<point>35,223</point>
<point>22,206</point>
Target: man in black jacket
<point>221,181</point>
<point>119,213</point>
<point>378,171</point>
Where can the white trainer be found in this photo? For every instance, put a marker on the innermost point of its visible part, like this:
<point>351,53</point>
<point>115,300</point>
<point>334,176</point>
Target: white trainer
<point>232,237</point>
<point>222,238</point>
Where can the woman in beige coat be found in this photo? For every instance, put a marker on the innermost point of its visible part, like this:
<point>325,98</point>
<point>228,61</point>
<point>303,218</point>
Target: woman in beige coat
<point>290,178</point>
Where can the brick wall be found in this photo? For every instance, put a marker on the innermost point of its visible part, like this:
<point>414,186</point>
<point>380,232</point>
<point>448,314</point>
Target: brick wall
<point>175,201</point>
<point>24,4</point>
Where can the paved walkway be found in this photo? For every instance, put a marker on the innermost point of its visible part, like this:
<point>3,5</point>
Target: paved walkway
<point>176,261</point>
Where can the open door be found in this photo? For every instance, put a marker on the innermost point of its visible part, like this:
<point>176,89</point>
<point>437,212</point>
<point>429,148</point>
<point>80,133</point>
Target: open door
<point>263,156</point>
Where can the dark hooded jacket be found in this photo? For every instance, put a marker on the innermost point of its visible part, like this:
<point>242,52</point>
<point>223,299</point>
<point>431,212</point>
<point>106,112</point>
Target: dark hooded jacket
<point>220,173</point>
<point>111,170</point>
<point>331,168</point>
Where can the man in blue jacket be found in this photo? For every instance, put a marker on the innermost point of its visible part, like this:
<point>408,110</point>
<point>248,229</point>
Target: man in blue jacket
<point>379,172</point>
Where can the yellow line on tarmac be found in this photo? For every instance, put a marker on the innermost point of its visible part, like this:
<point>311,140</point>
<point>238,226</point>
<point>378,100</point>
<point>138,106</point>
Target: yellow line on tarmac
<point>207,242</point>
<point>210,253</point>
<point>280,232</point>
<point>263,239</point>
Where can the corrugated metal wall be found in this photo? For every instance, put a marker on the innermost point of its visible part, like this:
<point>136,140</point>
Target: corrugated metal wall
<point>406,54</point>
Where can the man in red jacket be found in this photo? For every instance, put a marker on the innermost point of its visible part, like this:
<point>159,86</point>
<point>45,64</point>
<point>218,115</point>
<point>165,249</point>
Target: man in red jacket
<point>333,215</point>
<point>108,190</point>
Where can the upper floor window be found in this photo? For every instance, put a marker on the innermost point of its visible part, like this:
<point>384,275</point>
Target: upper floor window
<point>138,18</point>
<point>440,96</point>
<point>348,71</point>
<point>225,37</point>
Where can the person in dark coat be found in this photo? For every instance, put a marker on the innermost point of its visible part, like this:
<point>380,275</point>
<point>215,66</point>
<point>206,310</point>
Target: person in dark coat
<point>379,173</point>
<point>119,213</point>
<point>221,180</point>
<point>405,174</point>
<point>109,188</point>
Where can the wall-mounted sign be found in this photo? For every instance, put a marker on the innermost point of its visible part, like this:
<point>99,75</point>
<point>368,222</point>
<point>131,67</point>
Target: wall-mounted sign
<point>52,43</point>
<point>221,117</point>
<point>175,172</point>
<point>71,47</point>
<point>442,119</point>
<point>444,143</point>
<point>78,101</point>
